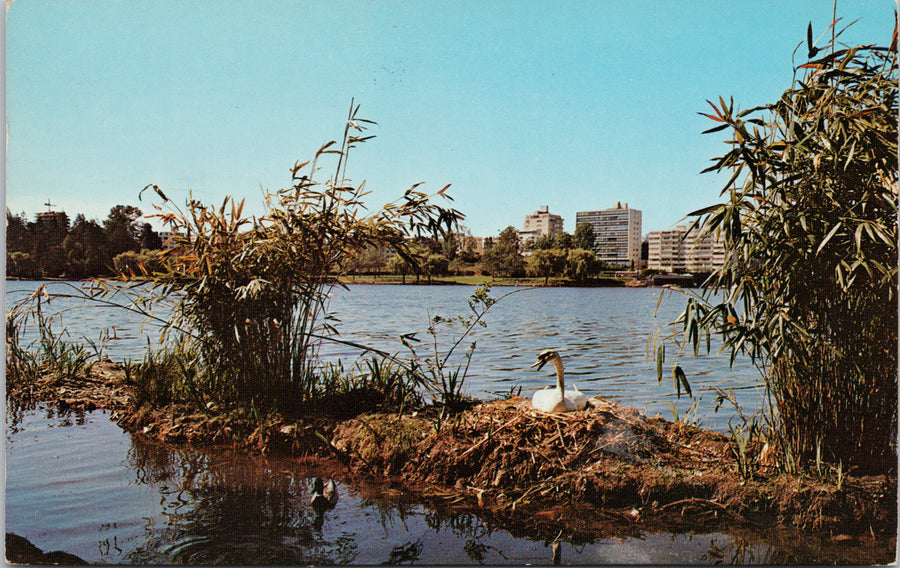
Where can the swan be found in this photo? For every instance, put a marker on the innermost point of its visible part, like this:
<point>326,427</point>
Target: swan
<point>324,495</point>
<point>556,399</point>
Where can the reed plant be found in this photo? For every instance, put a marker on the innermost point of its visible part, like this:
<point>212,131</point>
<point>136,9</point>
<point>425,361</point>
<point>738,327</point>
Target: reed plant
<point>252,293</point>
<point>51,352</point>
<point>809,286</point>
<point>168,375</point>
<point>444,373</point>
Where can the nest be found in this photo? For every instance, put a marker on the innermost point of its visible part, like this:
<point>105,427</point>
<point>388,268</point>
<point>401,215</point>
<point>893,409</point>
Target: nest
<point>507,455</point>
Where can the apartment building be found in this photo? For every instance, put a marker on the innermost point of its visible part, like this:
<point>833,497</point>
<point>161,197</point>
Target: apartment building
<point>679,251</point>
<point>617,234</point>
<point>539,223</point>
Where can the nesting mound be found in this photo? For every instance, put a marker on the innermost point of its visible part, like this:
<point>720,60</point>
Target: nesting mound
<point>620,464</point>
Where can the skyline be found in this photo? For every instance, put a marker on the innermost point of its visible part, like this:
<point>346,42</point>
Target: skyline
<point>516,105</point>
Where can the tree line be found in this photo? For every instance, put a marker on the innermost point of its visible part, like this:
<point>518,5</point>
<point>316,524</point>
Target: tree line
<point>558,255</point>
<point>49,247</point>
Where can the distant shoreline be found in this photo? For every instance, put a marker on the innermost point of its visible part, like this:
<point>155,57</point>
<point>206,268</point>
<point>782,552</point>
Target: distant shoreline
<point>449,281</point>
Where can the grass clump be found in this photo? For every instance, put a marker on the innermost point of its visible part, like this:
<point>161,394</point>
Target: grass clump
<point>51,352</point>
<point>252,293</point>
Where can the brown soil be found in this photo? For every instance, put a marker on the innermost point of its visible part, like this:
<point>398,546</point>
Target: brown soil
<point>606,464</point>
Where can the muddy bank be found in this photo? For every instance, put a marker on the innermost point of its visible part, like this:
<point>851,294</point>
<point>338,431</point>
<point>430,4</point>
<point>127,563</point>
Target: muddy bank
<point>606,466</point>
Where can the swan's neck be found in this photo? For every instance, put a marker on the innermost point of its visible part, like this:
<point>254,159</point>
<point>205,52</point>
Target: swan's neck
<point>560,381</point>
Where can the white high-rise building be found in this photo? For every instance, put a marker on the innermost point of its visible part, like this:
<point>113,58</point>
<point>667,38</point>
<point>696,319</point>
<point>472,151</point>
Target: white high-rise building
<point>539,223</point>
<point>672,251</point>
<point>617,234</point>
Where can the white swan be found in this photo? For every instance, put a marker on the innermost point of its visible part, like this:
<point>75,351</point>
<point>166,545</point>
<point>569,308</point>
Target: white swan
<point>324,495</point>
<point>556,399</point>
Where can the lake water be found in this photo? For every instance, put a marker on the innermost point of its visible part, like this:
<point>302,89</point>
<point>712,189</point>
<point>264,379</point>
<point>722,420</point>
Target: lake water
<point>78,483</point>
<point>601,333</point>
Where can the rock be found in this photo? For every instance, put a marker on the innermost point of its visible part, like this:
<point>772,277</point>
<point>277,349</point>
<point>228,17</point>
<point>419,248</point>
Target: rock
<point>20,551</point>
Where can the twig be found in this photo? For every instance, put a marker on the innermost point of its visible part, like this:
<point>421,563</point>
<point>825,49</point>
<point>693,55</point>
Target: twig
<point>561,440</point>
<point>713,504</point>
<point>487,437</point>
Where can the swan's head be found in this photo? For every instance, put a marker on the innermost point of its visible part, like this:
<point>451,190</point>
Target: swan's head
<point>545,357</point>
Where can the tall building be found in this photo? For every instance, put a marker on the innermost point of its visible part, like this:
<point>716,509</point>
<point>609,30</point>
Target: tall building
<point>539,223</point>
<point>617,234</point>
<point>58,218</point>
<point>675,251</point>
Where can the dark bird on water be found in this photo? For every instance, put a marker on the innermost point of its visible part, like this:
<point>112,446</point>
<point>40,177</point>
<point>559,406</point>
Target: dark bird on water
<point>324,495</point>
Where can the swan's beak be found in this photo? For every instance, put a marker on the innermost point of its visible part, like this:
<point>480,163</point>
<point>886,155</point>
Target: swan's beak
<point>539,363</point>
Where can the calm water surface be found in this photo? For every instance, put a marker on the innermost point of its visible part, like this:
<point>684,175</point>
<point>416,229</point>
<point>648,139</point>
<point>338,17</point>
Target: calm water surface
<point>78,483</point>
<point>601,333</point>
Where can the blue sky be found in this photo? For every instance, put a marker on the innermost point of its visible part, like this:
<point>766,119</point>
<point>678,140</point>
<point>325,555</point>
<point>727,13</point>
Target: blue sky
<point>517,104</point>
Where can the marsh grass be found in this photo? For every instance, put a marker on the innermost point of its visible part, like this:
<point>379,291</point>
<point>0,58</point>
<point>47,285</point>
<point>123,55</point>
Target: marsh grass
<point>52,352</point>
<point>252,293</point>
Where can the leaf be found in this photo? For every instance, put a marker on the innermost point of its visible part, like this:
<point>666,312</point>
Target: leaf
<point>828,237</point>
<point>681,381</point>
<point>716,118</point>
<point>660,359</point>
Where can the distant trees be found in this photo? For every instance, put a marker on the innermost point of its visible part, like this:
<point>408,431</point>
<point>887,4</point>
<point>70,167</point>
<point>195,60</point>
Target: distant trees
<point>545,263</point>
<point>501,257</point>
<point>49,248</point>
<point>584,237</point>
<point>548,255</point>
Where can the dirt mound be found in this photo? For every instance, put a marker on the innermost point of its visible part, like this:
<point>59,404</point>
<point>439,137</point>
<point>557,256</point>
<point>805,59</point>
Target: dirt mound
<point>506,456</point>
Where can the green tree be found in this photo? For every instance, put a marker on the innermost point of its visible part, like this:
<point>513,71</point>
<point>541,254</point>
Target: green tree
<point>46,250</point>
<point>149,238</point>
<point>20,265</point>
<point>562,240</point>
<point>469,247</point>
<point>584,236</point>
<point>545,263</point>
<point>400,265</point>
<point>435,265</point>
<point>543,242</point>
<point>372,260</point>
<point>501,257</point>
<point>18,238</point>
<point>581,264</point>
<point>810,276</point>
<point>86,249</point>
<point>122,230</point>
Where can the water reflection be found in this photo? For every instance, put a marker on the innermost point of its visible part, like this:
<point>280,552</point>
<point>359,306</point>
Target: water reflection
<point>218,510</point>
